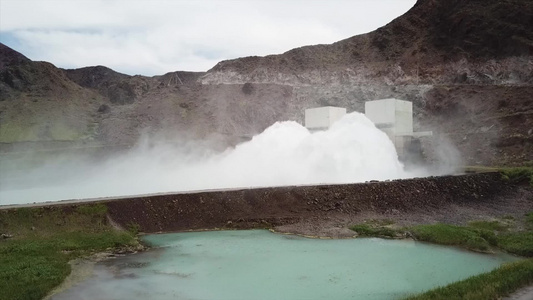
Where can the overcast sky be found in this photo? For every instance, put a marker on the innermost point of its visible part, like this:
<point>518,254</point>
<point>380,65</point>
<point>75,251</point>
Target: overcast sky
<point>155,37</point>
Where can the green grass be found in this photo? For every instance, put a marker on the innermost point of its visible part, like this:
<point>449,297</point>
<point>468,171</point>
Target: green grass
<point>481,236</point>
<point>62,132</point>
<point>489,225</point>
<point>469,238</point>
<point>529,220</point>
<point>368,230</point>
<point>518,174</point>
<point>35,128</point>
<point>10,132</point>
<point>35,259</point>
<point>512,174</point>
<point>493,285</point>
<point>520,243</point>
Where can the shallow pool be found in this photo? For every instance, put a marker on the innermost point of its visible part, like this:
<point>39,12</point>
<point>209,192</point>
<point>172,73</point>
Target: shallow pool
<point>258,264</point>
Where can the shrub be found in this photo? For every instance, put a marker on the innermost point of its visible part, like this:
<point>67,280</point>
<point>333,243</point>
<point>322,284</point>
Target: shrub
<point>247,88</point>
<point>518,174</point>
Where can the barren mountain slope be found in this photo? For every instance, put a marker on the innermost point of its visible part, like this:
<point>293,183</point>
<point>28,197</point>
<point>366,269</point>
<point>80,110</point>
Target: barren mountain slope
<point>39,103</point>
<point>466,66</point>
<point>44,106</point>
<point>437,41</point>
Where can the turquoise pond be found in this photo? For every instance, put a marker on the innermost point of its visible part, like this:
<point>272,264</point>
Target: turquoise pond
<point>258,264</point>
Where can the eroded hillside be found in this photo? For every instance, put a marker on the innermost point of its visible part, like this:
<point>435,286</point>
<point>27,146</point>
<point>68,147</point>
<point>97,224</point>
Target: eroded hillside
<point>466,65</point>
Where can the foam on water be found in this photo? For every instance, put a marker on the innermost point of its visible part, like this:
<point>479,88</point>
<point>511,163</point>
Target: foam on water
<point>257,264</point>
<point>286,153</point>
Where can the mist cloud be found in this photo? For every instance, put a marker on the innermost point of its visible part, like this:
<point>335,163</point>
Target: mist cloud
<point>286,153</point>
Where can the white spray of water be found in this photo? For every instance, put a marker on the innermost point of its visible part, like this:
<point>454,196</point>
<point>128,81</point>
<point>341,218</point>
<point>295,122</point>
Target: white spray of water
<point>286,153</point>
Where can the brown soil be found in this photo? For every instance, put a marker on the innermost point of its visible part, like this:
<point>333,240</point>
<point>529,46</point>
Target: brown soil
<point>327,210</point>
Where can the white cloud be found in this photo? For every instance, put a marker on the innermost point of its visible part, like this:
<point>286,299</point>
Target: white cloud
<point>155,37</point>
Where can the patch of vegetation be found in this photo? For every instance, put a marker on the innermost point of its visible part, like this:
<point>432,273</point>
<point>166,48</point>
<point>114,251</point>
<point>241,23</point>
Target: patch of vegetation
<point>11,132</point>
<point>444,234</point>
<point>493,285</point>
<point>478,239</point>
<point>520,243</point>
<point>529,220</point>
<point>94,210</point>
<point>134,228</point>
<point>30,130</point>
<point>489,225</point>
<point>479,236</point>
<point>480,169</point>
<point>62,132</point>
<point>35,259</point>
<point>518,174</point>
<point>368,231</point>
<point>511,174</point>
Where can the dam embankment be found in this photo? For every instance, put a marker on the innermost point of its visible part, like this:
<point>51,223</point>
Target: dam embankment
<point>275,206</point>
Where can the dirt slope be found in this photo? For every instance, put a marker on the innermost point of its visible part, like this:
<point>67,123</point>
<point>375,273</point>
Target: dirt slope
<point>324,210</point>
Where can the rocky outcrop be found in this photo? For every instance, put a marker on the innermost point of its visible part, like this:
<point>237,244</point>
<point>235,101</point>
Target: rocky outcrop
<point>19,75</point>
<point>9,57</point>
<point>118,88</point>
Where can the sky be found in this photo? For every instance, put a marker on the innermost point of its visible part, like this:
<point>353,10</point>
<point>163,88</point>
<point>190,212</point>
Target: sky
<point>155,37</point>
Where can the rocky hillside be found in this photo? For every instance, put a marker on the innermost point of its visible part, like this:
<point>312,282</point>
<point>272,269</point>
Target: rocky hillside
<point>44,106</point>
<point>466,65</point>
<point>437,41</point>
<point>38,102</point>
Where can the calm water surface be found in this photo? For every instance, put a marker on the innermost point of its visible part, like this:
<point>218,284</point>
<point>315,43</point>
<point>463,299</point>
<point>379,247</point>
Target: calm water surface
<point>258,264</point>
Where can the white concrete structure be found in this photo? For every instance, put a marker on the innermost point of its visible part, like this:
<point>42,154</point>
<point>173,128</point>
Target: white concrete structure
<point>323,117</point>
<point>392,116</point>
<point>395,118</point>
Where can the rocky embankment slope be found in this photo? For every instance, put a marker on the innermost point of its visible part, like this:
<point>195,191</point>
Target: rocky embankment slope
<point>320,210</point>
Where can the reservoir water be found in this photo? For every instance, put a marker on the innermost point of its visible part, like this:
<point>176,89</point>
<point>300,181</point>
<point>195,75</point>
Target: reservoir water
<point>260,265</point>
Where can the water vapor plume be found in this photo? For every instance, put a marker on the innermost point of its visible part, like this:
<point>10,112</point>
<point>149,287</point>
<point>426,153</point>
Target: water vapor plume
<point>286,153</point>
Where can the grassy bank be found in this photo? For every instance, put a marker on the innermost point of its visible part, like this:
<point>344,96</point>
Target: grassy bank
<point>467,237</point>
<point>522,174</point>
<point>35,258</point>
<point>493,285</point>
<point>482,236</point>
<point>518,174</point>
